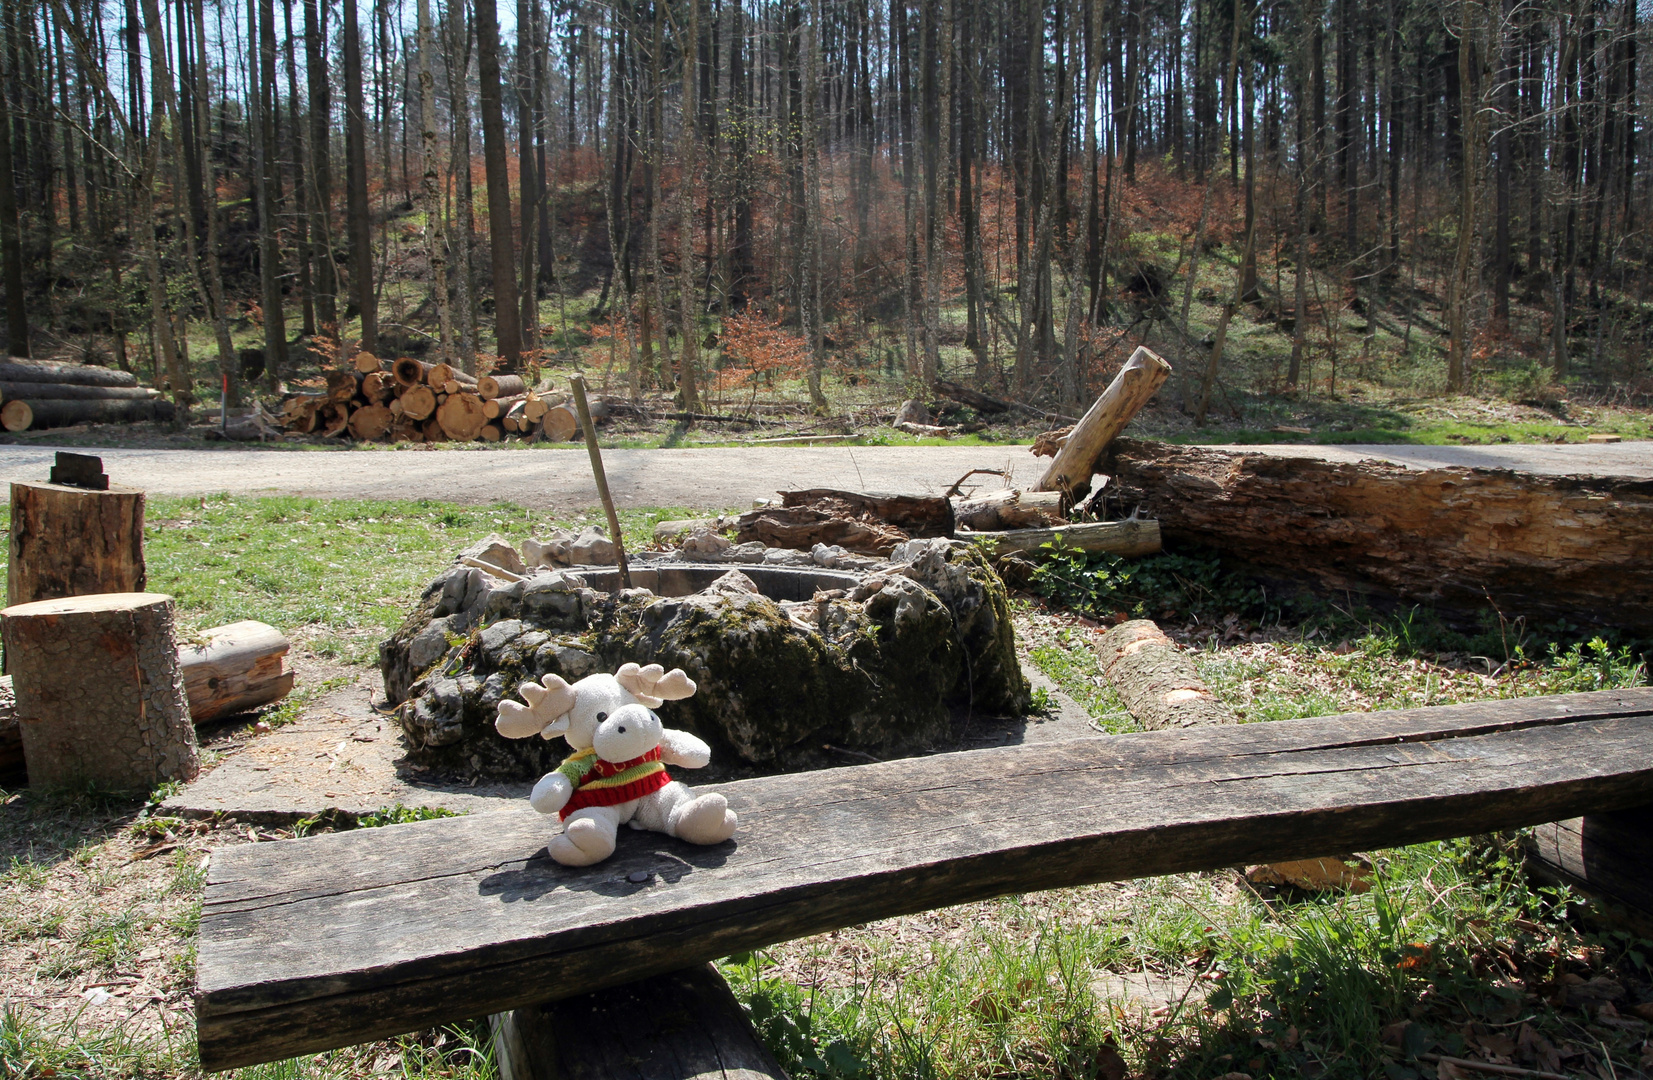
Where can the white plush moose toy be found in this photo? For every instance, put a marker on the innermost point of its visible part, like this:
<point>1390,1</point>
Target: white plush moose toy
<point>617,773</point>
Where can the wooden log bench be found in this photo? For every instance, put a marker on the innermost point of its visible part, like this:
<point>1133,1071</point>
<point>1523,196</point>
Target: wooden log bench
<point>307,945</point>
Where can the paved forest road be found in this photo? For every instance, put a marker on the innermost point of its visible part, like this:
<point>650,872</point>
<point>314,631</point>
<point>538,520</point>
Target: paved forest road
<point>706,479</point>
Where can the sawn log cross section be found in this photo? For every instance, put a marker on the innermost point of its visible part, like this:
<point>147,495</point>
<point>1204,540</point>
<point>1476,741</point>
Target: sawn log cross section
<point>311,944</point>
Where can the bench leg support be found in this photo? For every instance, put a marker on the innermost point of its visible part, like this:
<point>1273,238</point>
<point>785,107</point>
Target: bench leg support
<point>683,1026</point>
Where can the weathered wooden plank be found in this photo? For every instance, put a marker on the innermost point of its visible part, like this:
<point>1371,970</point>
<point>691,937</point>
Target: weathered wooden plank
<point>685,1025</point>
<point>324,942</point>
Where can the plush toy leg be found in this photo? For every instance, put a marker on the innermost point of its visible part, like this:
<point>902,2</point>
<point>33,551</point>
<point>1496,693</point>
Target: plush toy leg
<point>676,811</point>
<point>587,837</point>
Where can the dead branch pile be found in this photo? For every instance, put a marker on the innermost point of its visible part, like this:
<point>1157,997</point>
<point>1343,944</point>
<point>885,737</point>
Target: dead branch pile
<point>413,401</point>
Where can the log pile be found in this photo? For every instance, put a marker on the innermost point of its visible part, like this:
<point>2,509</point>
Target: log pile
<point>413,401</point>
<point>43,395</point>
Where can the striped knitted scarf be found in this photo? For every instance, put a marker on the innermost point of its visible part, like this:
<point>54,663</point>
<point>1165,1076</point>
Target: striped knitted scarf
<point>610,783</point>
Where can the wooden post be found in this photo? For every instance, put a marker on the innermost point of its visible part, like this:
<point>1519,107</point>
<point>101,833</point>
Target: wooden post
<point>590,430</point>
<point>100,695</point>
<point>68,541</point>
<point>683,1026</point>
<point>1137,381</point>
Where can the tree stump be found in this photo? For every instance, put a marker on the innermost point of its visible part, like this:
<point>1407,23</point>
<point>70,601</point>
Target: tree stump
<point>68,541</point>
<point>100,694</point>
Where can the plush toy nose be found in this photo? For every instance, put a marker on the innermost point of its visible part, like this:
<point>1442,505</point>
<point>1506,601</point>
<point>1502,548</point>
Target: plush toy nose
<point>630,731</point>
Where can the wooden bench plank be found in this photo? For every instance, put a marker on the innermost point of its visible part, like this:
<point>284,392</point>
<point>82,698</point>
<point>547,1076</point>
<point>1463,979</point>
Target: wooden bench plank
<point>311,944</point>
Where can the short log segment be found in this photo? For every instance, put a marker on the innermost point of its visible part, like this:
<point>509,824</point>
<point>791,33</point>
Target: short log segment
<point>297,954</point>
<point>1128,539</point>
<point>1009,509</point>
<point>489,387</point>
<point>686,1025</point>
<point>1609,857</point>
<point>1541,547</point>
<point>1158,681</point>
<point>100,694</point>
<point>461,417</point>
<point>923,516</point>
<point>238,668</point>
<point>67,541</point>
<point>1136,383</point>
<point>22,415</point>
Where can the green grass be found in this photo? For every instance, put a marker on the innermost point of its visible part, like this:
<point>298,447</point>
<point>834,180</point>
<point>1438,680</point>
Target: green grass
<point>338,575</point>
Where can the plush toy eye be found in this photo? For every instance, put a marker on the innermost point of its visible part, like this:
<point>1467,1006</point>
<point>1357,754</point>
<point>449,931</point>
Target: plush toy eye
<point>622,729</point>
<point>601,717</point>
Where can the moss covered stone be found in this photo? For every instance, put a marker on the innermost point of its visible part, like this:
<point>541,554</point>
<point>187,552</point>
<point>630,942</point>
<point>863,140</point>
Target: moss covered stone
<point>886,668</point>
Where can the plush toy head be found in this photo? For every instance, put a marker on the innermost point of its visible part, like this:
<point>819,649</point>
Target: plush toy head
<point>611,713</point>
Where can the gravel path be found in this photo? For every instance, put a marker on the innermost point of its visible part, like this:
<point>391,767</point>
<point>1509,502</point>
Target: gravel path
<point>704,479</point>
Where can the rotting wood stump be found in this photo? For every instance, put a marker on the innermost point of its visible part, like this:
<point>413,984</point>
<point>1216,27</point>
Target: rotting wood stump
<point>70,541</point>
<point>297,955</point>
<point>1537,547</point>
<point>100,694</point>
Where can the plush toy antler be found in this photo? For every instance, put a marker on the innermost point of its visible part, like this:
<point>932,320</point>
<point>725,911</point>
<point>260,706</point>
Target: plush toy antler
<point>654,684</point>
<point>546,713</point>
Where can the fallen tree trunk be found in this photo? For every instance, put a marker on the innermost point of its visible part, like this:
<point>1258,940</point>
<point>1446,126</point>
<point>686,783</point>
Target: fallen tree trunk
<point>240,667</point>
<point>1468,542</point>
<point>56,412</point>
<point>973,398</point>
<point>1137,382</point>
<point>27,391</point>
<point>1129,539</point>
<point>32,371</point>
<point>1157,680</point>
<point>802,527</point>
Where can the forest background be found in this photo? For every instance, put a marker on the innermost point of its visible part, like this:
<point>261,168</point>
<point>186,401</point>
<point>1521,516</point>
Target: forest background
<point>1293,199</point>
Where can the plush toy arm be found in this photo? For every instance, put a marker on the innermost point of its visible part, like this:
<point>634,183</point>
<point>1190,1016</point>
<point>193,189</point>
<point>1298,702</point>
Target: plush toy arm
<point>681,748</point>
<point>551,793</point>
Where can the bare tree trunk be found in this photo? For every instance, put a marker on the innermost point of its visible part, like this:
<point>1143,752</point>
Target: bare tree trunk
<point>1469,120</point>
<point>319,163</point>
<point>507,322</point>
<point>1073,355</point>
<point>436,237</point>
<point>358,225</point>
<point>810,290</point>
<point>688,387</point>
<point>269,246</point>
<point>11,240</point>
<point>459,97</point>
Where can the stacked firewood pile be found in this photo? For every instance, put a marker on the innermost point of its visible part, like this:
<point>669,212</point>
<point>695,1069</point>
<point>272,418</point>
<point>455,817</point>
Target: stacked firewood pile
<point>412,401</point>
<point>43,395</point>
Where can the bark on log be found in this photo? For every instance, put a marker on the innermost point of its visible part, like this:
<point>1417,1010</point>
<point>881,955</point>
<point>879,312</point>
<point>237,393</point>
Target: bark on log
<point>461,417</point>
<point>410,372</point>
<point>56,412</point>
<point>923,516</point>
<point>495,386</point>
<point>418,402</point>
<point>802,527</point>
<point>78,374</point>
<point>11,738</point>
<point>978,401</point>
<point>1540,547</point>
<point>683,1026</point>
<point>536,407</point>
<point>1157,680</point>
<point>1136,382</point>
<point>559,423</point>
<point>1009,509</point>
<point>67,541</point>
<point>371,422</point>
<point>31,391</point>
<point>100,695</point>
<point>240,667</point>
<point>1130,538</point>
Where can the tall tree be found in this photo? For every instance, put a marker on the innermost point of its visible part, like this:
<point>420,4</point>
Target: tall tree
<point>507,324</point>
<point>358,224</point>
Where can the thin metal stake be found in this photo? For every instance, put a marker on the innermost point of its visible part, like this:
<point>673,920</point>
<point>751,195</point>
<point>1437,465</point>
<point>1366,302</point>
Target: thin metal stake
<point>578,382</point>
